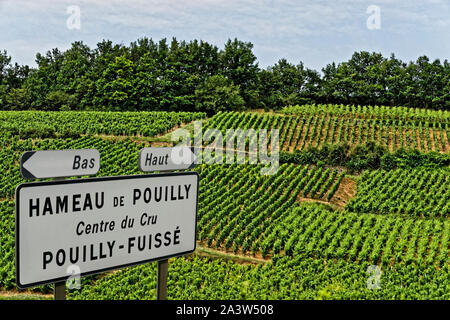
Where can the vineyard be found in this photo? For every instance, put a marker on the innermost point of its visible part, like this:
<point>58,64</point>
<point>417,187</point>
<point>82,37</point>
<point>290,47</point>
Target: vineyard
<point>421,193</point>
<point>40,124</point>
<point>310,231</point>
<point>314,126</point>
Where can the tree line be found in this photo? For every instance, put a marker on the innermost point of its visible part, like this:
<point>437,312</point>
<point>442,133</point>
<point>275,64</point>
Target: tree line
<point>198,76</point>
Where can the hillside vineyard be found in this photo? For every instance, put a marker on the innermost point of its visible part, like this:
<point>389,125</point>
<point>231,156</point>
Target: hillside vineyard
<point>357,188</point>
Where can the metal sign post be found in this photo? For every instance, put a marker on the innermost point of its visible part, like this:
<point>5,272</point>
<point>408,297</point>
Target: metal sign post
<point>59,288</point>
<point>99,224</point>
<point>60,291</point>
<point>165,159</point>
<point>58,164</point>
<point>161,286</point>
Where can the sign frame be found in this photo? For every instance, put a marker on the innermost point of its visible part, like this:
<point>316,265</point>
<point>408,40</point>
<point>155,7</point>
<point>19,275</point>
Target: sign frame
<point>183,167</point>
<point>26,174</point>
<point>86,180</point>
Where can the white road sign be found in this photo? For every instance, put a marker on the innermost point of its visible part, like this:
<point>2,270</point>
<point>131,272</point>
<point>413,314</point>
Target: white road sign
<point>59,163</point>
<point>165,159</point>
<point>98,224</point>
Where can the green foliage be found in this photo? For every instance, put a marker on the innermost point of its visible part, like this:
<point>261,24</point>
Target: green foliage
<point>298,278</point>
<point>18,99</point>
<point>39,124</point>
<point>59,100</point>
<point>421,192</point>
<point>164,76</point>
<point>413,158</point>
<point>216,94</point>
<point>398,219</point>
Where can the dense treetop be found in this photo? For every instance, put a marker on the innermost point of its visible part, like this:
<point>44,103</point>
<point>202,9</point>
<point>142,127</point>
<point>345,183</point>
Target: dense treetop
<point>197,76</point>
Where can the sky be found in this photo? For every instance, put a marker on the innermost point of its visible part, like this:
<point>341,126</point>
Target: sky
<point>316,32</point>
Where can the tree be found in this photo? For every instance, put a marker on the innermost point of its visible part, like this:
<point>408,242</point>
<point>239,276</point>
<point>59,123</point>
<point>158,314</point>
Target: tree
<point>238,64</point>
<point>18,99</point>
<point>115,88</point>
<point>59,100</point>
<point>217,94</point>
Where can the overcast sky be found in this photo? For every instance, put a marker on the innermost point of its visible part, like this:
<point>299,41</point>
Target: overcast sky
<point>316,32</point>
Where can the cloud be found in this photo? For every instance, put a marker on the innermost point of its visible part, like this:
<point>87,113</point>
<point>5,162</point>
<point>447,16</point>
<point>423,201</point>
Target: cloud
<point>314,31</point>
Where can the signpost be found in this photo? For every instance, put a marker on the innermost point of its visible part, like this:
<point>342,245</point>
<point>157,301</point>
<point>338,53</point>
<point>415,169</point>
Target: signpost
<point>100,224</point>
<point>166,159</point>
<point>59,163</point>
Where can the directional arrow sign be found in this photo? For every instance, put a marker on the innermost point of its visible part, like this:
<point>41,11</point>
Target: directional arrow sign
<point>59,163</point>
<point>165,159</point>
<point>97,224</point>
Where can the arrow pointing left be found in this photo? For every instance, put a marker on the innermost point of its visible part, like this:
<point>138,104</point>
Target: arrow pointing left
<point>59,163</point>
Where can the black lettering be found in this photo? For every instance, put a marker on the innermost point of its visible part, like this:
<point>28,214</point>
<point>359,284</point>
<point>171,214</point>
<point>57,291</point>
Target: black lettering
<point>187,187</point>
<point>92,253</point>
<point>76,203</point>
<point>34,207</point>
<point>147,195</point>
<point>176,236</point>
<point>47,207</point>
<point>149,242</point>
<point>60,257</point>
<point>136,195</point>
<point>85,164</point>
<point>84,253</point>
<point>76,162</point>
<point>99,202</point>
<point>144,215</point>
<point>111,246</point>
<point>87,202</point>
<point>167,239</point>
<point>92,163</point>
<point>73,259</point>
<point>102,255</point>
<point>80,224</point>
<point>131,223</point>
<point>171,194</point>
<point>62,204</point>
<point>158,240</point>
<point>158,199</point>
<point>180,197</point>
<point>148,159</point>
<point>47,258</point>
<point>130,243</point>
<point>141,244</point>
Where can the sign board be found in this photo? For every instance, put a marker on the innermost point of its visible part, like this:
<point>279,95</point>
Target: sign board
<point>100,224</point>
<point>165,159</point>
<point>59,163</point>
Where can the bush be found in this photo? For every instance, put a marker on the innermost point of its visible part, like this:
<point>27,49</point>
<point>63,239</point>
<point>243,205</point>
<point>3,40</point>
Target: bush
<point>368,156</point>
